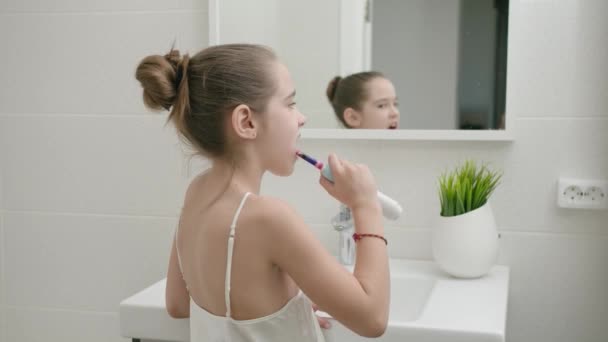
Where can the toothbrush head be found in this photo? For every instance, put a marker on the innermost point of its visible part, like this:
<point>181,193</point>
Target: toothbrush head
<point>312,161</point>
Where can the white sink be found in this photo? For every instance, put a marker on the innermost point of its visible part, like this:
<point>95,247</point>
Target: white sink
<point>426,305</point>
<point>409,295</point>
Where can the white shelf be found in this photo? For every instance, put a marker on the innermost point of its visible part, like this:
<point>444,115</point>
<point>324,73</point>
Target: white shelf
<point>420,135</point>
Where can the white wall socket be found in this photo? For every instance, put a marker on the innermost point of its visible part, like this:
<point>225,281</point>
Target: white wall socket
<point>582,193</point>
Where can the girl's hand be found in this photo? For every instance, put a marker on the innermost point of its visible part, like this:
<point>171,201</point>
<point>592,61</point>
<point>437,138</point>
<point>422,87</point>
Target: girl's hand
<point>353,185</point>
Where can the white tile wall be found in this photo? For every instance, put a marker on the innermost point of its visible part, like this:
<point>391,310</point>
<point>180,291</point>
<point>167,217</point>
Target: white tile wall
<point>557,287</point>
<point>82,262</point>
<point>562,72</point>
<point>27,325</point>
<point>78,164</point>
<point>84,63</point>
<point>2,282</point>
<point>85,219</point>
<point>2,278</point>
<point>90,186</point>
<point>76,6</point>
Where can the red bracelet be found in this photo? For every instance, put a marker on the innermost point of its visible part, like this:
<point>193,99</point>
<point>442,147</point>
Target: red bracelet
<point>358,237</point>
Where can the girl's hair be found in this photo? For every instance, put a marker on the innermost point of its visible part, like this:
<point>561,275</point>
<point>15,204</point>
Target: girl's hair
<point>349,92</point>
<point>200,91</point>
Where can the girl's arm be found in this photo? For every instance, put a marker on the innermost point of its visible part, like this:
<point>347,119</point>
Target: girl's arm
<point>360,301</point>
<point>177,298</point>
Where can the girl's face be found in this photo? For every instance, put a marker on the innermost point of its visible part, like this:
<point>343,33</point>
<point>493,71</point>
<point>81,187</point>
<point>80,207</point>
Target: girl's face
<point>281,124</point>
<point>380,109</point>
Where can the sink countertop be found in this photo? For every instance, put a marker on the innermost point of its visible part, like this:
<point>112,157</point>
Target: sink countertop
<point>144,315</point>
<point>462,307</point>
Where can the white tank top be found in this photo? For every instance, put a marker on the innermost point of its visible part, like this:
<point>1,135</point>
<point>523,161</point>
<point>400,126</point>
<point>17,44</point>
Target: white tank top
<point>294,322</point>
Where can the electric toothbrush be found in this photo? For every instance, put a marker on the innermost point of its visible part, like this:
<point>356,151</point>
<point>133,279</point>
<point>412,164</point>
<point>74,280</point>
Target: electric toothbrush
<point>390,208</point>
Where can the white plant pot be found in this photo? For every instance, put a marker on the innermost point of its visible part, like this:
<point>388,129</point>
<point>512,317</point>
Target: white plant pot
<point>466,246</point>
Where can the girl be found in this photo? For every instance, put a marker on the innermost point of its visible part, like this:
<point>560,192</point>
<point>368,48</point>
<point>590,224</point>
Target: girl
<point>364,100</point>
<point>245,267</point>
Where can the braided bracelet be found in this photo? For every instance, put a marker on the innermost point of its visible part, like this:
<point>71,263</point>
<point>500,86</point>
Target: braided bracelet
<point>358,237</point>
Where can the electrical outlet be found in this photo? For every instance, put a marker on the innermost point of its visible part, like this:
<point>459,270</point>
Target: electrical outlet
<point>582,193</point>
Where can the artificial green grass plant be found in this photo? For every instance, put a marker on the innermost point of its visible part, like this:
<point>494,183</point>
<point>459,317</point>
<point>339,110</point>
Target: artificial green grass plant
<point>466,188</point>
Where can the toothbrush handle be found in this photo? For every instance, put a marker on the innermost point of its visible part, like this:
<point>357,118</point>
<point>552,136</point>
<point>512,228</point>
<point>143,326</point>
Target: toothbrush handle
<point>391,209</point>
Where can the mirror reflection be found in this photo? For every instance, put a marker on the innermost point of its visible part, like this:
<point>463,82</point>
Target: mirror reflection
<point>447,60</point>
<point>444,60</point>
<point>364,100</point>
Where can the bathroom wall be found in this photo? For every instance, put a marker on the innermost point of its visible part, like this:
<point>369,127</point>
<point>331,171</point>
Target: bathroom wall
<point>92,183</point>
<point>2,282</point>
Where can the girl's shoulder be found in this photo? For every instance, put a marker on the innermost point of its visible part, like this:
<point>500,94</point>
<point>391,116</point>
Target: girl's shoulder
<point>276,215</point>
<point>268,208</point>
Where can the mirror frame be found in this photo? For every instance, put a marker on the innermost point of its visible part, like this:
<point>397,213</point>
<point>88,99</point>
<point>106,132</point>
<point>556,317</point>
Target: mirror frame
<point>506,135</point>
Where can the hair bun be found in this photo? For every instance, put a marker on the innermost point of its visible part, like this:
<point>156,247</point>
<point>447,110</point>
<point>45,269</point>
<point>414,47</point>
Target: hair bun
<point>331,88</point>
<point>160,78</point>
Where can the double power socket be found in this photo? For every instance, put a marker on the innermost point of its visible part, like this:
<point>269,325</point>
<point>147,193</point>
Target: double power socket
<point>582,193</point>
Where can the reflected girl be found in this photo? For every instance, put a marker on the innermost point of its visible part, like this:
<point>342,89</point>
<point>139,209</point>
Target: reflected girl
<point>364,100</point>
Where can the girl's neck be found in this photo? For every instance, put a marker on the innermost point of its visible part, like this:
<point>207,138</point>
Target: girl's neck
<point>243,176</point>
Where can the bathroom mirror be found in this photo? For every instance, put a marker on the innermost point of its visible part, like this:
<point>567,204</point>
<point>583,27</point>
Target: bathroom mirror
<point>446,58</point>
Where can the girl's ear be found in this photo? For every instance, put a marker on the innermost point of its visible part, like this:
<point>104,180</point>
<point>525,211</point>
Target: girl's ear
<point>243,122</point>
<point>352,117</point>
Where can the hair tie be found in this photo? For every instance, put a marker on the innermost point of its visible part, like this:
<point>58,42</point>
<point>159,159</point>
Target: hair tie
<point>179,74</point>
<point>181,71</point>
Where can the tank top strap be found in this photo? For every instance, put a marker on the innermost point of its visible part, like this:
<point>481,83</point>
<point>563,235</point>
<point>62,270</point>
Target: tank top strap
<point>230,252</point>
